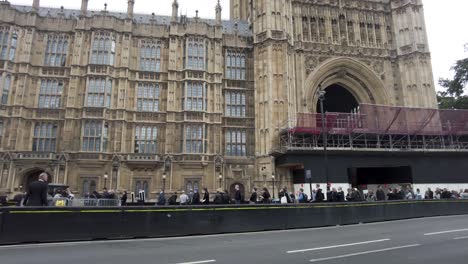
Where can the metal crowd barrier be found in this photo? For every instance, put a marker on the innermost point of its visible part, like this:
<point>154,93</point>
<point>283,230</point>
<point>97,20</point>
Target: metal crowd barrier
<point>64,202</point>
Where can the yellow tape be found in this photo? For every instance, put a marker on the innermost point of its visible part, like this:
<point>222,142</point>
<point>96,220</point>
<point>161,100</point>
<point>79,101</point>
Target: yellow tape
<point>100,211</point>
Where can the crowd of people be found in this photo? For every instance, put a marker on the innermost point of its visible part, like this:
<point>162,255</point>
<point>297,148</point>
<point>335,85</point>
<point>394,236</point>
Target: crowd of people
<point>318,196</point>
<point>263,196</point>
<point>221,197</point>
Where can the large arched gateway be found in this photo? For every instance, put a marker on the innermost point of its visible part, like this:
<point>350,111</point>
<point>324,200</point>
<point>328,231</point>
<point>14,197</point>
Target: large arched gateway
<point>348,82</point>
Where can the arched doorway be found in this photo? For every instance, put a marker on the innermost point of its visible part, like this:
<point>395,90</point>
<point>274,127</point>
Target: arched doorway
<point>350,74</point>
<point>338,100</point>
<point>31,176</point>
<point>232,190</point>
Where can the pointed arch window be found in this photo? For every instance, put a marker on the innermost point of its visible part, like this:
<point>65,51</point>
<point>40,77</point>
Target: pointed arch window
<point>56,51</point>
<point>196,54</point>
<point>148,97</point>
<point>45,137</point>
<point>99,92</point>
<point>195,96</point>
<point>194,138</point>
<point>89,186</point>
<point>150,56</point>
<point>8,43</point>
<point>236,142</point>
<point>235,102</point>
<point>95,136</point>
<point>85,189</point>
<point>146,187</point>
<point>5,83</point>
<point>146,139</point>
<point>235,65</point>
<point>103,49</point>
<point>1,132</point>
<point>50,94</point>
<point>137,187</point>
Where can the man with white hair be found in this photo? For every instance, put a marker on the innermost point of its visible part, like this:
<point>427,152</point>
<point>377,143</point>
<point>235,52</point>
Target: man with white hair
<point>37,194</point>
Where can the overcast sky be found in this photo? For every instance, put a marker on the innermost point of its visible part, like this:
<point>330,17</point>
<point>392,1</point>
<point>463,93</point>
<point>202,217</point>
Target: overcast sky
<point>447,22</point>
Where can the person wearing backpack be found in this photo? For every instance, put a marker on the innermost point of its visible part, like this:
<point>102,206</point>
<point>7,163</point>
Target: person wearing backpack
<point>319,198</point>
<point>302,197</point>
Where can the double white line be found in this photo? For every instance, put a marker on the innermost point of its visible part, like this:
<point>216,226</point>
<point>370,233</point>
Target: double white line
<point>365,253</point>
<point>199,262</point>
<point>349,245</point>
<point>338,246</point>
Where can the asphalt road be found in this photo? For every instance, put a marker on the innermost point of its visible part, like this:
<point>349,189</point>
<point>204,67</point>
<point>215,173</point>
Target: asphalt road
<point>429,240</point>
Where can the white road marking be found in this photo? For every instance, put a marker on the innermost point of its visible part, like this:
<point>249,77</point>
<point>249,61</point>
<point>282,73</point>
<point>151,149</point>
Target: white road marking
<point>365,253</point>
<point>337,246</point>
<point>199,262</point>
<point>446,232</point>
<point>459,238</point>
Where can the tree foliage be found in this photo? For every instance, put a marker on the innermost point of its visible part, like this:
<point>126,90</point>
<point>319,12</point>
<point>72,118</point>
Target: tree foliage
<point>453,96</point>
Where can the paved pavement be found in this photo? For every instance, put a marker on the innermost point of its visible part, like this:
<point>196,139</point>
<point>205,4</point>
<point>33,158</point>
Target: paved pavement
<point>429,240</point>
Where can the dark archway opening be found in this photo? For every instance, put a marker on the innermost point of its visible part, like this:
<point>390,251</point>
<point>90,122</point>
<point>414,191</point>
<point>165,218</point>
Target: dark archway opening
<point>338,100</point>
<point>232,190</point>
<point>33,176</point>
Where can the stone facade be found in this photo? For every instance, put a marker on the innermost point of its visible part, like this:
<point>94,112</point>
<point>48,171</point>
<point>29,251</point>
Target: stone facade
<point>135,97</point>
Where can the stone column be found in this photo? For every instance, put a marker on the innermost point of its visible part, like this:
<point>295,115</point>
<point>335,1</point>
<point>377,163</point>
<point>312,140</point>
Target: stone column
<point>84,7</point>
<point>35,6</point>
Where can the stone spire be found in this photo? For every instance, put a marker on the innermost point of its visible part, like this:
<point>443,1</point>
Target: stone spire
<point>35,6</point>
<point>131,6</point>
<point>218,13</point>
<point>84,7</point>
<point>175,10</point>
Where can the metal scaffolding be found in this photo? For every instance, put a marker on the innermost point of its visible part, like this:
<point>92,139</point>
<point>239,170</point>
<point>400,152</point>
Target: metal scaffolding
<point>379,127</point>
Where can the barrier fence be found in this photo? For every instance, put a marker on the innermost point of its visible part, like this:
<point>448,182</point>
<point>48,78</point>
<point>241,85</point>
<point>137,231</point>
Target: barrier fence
<point>20,224</point>
<point>64,202</point>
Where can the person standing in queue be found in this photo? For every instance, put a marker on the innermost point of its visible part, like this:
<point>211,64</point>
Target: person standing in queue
<point>196,198</point>
<point>37,195</point>
<point>226,198</point>
<point>380,194</point>
<point>265,197</point>
<point>254,197</point>
<point>238,195</point>
<point>206,196</point>
<point>319,197</point>
<point>123,199</point>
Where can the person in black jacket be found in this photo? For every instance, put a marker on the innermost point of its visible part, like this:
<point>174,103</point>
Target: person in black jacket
<point>218,197</point>
<point>123,199</point>
<point>254,196</point>
<point>356,195</point>
<point>238,195</point>
<point>380,194</point>
<point>206,196</point>
<point>196,198</point>
<point>340,197</point>
<point>391,195</point>
<point>37,195</point>
<point>319,197</point>
<point>161,198</point>
<point>173,199</point>
<point>445,194</point>
<point>429,194</point>
<point>334,196</point>
<point>225,195</point>
<point>265,197</point>
<point>401,194</point>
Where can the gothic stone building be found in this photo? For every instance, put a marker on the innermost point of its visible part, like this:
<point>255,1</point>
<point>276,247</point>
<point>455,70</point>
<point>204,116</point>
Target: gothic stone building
<point>130,102</point>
